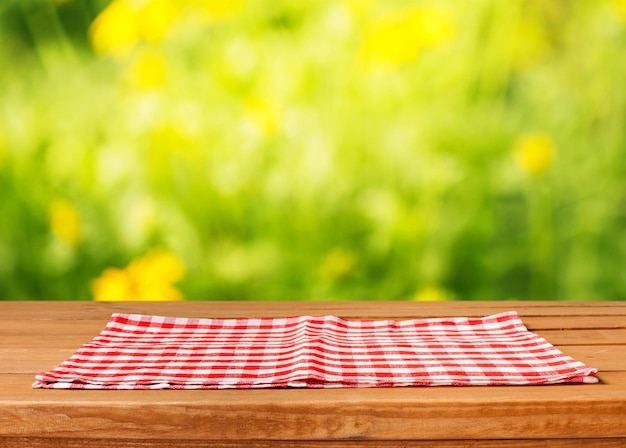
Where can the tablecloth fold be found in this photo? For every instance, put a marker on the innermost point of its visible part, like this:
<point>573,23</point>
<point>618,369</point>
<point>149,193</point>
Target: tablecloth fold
<point>154,352</point>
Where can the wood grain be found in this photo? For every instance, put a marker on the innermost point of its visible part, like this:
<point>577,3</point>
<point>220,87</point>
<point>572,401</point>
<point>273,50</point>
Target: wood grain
<point>36,336</point>
<point>24,442</point>
<point>337,418</point>
<point>357,310</point>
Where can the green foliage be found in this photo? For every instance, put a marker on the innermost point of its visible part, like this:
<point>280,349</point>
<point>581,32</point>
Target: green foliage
<point>318,149</point>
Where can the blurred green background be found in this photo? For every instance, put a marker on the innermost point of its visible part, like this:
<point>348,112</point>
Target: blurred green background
<point>312,150</point>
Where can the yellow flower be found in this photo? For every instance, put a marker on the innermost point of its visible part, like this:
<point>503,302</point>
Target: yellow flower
<point>124,23</point>
<point>534,153</point>
<point>400,37</point>
<point>157,266</point>
<point>148,278</point>
<point>115,30</point>
<point>113,285</point>
<point>431,294</point>
<point>155,19</point>
<point>65,222</point>
<point>148,71</point>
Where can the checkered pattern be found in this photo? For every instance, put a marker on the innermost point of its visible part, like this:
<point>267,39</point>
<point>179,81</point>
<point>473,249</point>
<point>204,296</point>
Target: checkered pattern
<point>151,352</point>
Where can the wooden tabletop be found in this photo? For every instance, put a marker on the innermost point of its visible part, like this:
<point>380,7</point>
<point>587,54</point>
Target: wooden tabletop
<point>37,336</point>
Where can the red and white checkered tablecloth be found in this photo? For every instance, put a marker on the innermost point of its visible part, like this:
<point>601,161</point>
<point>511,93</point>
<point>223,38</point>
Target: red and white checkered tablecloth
<point>153,352</point>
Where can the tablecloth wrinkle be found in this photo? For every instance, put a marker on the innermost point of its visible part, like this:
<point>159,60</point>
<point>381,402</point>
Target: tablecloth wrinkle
<point>137,351</point>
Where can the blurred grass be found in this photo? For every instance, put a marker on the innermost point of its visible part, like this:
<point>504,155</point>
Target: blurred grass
<point>329,150</point>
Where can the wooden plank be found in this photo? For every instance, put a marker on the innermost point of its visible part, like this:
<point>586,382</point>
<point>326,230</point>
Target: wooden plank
<point>508,412</point>
<point>584,337</point>
<point>24,442</point>
<point>51,328</point>
<point>400,310</point>
<point>75,340</point>
<point>31,360</point>
<point>56,343</point>
<point>90,328</point>
<point>602,357</point>
<point>93,326</point>
<point>536,323</point>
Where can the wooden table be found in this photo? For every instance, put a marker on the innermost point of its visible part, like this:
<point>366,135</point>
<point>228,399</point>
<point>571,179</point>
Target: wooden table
<point>36,336</point>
